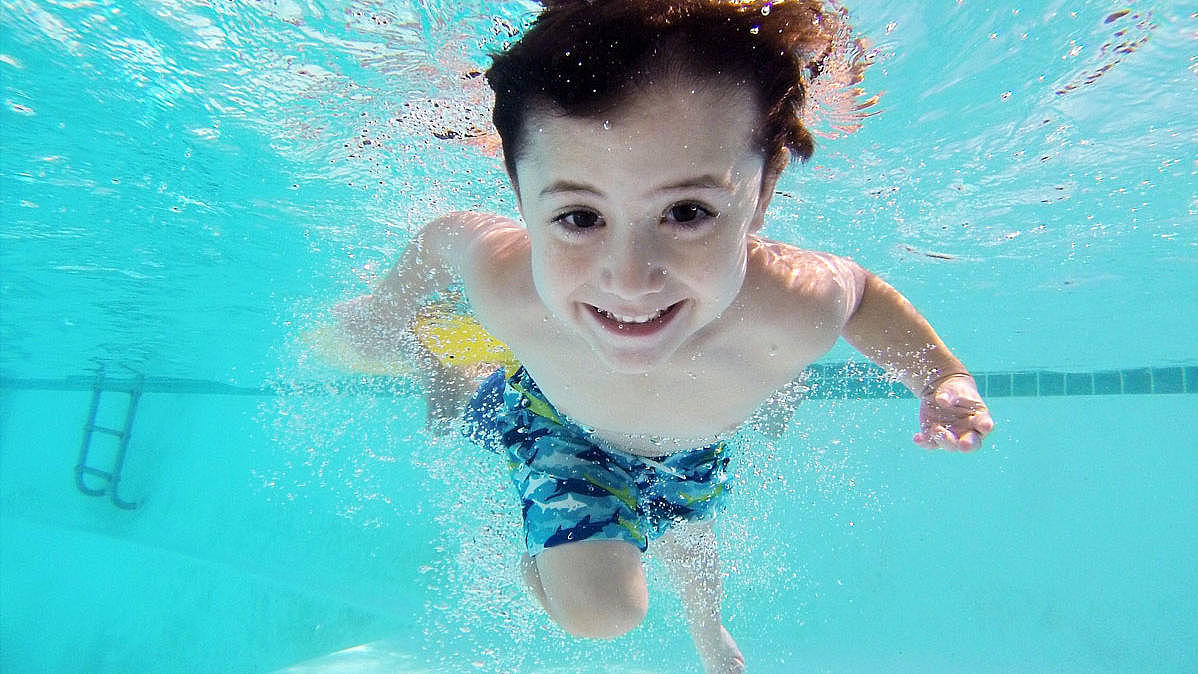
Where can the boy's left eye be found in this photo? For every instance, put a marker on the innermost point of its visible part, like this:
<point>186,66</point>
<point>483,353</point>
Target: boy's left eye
<point>687,212</point>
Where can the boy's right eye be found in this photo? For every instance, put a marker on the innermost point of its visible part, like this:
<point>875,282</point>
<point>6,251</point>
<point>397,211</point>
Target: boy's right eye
<point>579,219</point>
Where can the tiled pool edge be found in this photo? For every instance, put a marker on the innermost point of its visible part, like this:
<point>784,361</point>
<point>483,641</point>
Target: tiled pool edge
<point>850,380</point>
<point>863,380</point>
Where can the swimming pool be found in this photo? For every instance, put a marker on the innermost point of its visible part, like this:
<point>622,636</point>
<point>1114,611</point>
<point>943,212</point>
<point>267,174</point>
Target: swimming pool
<point>188,186</point>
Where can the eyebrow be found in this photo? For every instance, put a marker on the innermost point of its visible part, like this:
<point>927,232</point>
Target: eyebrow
<point>705,182</point>
<point>567,186</point>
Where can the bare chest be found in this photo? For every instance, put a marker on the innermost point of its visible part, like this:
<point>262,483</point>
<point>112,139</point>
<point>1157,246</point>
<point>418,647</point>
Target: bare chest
<point>691,404</point>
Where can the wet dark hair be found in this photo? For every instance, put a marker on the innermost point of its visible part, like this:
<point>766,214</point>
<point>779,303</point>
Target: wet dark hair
<point>586,56</point>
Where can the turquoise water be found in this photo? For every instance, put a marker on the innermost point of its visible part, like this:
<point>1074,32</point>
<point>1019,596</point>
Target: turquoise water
<point>187,186</point>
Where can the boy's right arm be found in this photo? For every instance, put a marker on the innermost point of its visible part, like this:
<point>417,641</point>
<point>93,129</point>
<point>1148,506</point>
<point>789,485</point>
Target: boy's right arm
<point>377,325</point>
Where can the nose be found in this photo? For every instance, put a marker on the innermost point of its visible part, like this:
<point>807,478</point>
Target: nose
<point>633,265</point>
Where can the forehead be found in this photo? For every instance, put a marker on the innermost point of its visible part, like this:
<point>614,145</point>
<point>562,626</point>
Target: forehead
<point>678,125</point>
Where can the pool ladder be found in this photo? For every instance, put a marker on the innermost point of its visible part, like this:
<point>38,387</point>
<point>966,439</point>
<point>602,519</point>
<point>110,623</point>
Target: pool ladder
<point>112,476</point>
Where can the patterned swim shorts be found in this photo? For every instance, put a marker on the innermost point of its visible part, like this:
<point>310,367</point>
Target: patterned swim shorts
<point>573,490</point>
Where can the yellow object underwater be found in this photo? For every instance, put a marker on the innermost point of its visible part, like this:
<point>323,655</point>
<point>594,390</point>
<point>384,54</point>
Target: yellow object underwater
<point>455,338</point>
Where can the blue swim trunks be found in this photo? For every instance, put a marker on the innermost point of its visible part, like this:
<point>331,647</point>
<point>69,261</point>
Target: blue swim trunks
<point>573,490</point>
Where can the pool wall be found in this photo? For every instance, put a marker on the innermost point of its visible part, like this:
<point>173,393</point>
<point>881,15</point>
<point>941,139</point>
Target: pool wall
<point>214,571</point>
<point>1066,545</point>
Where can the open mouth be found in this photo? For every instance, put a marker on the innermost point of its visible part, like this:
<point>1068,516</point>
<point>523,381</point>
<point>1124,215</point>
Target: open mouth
<point>643,324</point>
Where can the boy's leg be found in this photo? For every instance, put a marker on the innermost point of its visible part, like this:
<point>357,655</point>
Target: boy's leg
<point>446,392</point>
<point>532,578</point>
<point>688,551</point>
<point>591,588</point>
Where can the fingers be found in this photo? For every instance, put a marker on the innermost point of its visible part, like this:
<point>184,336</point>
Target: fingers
<point>969,441</point>
<point>353,307</point>
<point>946,399</point>
<point>983,422</point>
<point>936,437</point>
<point>963,405</point>
<point>953,422</point>
<point>941,437</point>
<point>953,417</point>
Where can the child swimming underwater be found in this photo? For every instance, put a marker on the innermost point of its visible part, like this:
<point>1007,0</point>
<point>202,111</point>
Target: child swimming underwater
<point>647,318</point>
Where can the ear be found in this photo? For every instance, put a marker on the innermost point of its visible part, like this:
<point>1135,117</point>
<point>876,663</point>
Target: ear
<point>769,179</point>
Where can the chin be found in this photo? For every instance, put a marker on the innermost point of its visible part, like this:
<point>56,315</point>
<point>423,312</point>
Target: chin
<point>631,362</point>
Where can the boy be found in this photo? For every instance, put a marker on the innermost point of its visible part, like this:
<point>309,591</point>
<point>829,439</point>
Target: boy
<point>643,140</point>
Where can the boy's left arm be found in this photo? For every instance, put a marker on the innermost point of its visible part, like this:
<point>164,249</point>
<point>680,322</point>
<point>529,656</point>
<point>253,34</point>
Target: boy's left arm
<point>886,328</point>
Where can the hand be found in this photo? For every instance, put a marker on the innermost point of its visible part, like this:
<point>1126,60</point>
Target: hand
<point>952,416</point>
<point>367,329</point>
<point>446,389</point>
<point>357,315</point>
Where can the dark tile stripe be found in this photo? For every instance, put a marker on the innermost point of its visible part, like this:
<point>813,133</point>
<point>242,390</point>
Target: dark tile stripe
<point>1079,383</point>
<point>1108,383</point>
<point>1001,385</point>
<point>1138,380</point>
<point>1025,384</point>
<point>1167,380</point>
<point>1052,383</point>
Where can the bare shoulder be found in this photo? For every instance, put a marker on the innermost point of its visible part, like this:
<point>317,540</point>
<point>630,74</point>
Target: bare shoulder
<point>803,275</point>
<point>470,235</point>
<point>820,289</point>
<point>492,258</point>
<point>470,241</point>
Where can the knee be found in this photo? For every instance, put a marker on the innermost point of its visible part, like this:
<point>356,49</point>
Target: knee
<point>594,589</point>
<point>605,615</point>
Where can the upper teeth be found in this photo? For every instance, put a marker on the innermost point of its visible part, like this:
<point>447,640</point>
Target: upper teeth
<point>633,319</point>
